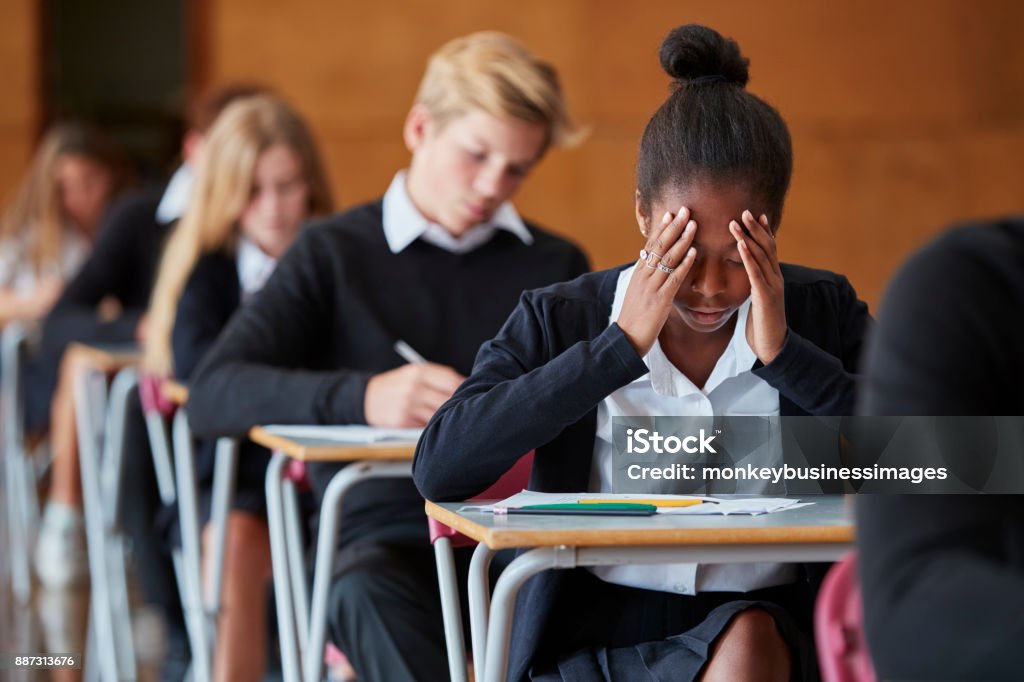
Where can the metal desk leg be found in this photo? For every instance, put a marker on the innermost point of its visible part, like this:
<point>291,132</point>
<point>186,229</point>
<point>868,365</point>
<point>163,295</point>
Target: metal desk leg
<point>329,521</point>
<point>279,560</point>
<point>122,391</point>
<point>451,611</point>
<point>90,397</point>
<point>225,468</point>
<point>296,561</point>
<point>160,447</point>
<point>188,520</point>
<point>503,604</point>
<point>479,603</point>
<point>19,477</point>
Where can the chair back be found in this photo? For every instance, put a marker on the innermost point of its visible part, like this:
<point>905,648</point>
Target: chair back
<point>839,626</point>
<point>152,397</point>
<point>510,483</point>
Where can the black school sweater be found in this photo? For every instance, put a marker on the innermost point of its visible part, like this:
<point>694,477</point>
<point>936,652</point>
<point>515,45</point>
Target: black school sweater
<point>943,575</point>
<point>303,350</point>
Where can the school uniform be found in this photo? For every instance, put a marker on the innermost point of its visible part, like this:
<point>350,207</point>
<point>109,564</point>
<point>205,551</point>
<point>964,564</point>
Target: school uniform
<point>123,265</point>
<point>304,350</point>
<point>18,270</point>
<point>217,286</point>
<point>541,384</point>
<point>943,575</point>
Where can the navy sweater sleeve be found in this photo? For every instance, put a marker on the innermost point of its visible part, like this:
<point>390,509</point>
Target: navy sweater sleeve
<point>210,297</point>
<point>817,381</point>
<point>249,375</point>
<point>943,576</point>
<point>527,393</point>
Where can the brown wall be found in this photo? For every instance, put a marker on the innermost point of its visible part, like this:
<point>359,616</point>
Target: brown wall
<point>19,110</point>
<point>905,115</point>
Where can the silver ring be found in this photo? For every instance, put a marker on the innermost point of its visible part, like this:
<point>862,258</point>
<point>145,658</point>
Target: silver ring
<point>665,268</point>
<point>652,259</point>
<point>643,255</point>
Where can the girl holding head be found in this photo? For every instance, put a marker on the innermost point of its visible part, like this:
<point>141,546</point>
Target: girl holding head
<point>707,322</point>
<point>48,228</point>
<point>259,180</point>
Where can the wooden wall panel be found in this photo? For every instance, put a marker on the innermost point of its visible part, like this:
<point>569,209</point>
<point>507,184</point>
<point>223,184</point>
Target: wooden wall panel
<point>905,115</point>
<point>19,70</point>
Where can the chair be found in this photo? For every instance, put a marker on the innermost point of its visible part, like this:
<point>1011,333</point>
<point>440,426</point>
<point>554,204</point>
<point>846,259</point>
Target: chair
<point>100,422</point>
<point>20,479</point>
<point>177,484</point>
<point>839,626</point>
<point>445,539</point>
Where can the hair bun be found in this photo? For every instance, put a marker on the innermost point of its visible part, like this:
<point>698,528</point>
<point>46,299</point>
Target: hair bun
<point>693,51</point>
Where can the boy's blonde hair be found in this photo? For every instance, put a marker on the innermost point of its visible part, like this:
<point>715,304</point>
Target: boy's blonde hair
<point>246,129</point>
<point>494,72</point>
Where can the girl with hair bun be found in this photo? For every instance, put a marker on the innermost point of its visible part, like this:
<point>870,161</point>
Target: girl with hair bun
<point>707,322</point>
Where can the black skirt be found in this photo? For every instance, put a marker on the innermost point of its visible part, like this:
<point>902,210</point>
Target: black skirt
<point>603,631</point>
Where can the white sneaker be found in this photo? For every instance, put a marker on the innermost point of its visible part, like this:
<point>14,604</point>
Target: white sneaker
<point>60,557</point>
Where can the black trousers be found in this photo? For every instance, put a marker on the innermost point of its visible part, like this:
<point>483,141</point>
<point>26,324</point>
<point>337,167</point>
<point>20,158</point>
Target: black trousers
<point>385,611</point>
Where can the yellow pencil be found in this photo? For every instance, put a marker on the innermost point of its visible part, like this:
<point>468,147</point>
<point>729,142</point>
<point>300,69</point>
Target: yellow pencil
<point>655,502</point>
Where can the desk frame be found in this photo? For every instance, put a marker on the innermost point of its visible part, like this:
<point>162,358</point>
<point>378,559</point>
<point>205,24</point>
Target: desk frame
<point>302,622</point>
<point>491,623</point>
<point>100,422</point>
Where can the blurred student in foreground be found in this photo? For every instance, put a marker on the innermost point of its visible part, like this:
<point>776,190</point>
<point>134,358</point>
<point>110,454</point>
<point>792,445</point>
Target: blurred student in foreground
<point>943,575</point>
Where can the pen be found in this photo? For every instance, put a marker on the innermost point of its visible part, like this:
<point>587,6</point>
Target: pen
<point>408,354</point>
<point>606,509</point>
<point>692,502</point>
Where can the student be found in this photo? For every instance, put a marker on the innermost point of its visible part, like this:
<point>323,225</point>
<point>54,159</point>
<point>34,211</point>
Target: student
<point>707,322</point>
<point>260,178</point>
<point>121,268</point>
<point>47,230</point>
<point>438,262</point>
<point>943,575</point>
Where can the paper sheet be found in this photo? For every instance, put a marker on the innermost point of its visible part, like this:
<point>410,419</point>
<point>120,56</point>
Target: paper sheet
<point>353,433</point>
<point>722,506</point>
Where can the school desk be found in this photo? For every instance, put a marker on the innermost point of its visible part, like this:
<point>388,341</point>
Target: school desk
<point>100,424</point>
<point>818,532</point>
<point>302,622</point>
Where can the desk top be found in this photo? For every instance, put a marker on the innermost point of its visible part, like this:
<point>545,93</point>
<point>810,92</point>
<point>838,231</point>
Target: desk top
<point>174,392</point>
<point>323,450</point>
<point>824,521</point>
<point>107,358</point>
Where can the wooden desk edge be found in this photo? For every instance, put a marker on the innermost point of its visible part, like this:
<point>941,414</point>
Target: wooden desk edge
<point>104,360</point>
<point>501,538</point>
<point>329,453</point>
<point>175,392</point>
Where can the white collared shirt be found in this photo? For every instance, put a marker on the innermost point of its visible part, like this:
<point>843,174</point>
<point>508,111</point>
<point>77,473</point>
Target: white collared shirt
<point>175,197</point>
<point>254,267</point>
<point>731,390</point>
<point>404,224</point>
<point>18,271</point>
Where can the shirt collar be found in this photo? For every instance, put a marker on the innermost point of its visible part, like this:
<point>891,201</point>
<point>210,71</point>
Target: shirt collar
<point>665,378</point>
<point>404,224</point>
<point>254,267</point>
<point>175,198</point>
